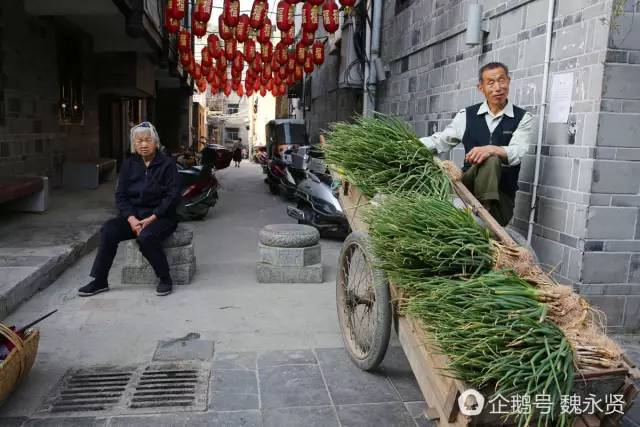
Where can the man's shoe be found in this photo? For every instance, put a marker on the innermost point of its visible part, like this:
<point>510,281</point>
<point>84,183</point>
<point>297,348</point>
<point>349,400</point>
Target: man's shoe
<point>94,287</point>
<point>164,288</point>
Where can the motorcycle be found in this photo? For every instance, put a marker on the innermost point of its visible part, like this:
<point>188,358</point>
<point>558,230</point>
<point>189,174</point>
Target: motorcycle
<point>283,178</point>
<point>199,185</point>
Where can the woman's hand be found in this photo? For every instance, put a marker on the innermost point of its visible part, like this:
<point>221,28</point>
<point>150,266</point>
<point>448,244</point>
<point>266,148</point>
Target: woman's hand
<point>147,221</point>
<point>135,224</point>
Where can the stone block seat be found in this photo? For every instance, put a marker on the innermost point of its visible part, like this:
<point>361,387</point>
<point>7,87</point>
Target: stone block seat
<point>24,193</point>
<point>289,253</point>
<point>180,254</point>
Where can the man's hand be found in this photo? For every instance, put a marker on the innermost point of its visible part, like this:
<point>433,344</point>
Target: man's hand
<point>147,221</point>
<point>477,155</point>
<point>135,224</point>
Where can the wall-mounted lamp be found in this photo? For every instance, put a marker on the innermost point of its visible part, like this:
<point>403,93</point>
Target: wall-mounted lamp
<point>476,26</point>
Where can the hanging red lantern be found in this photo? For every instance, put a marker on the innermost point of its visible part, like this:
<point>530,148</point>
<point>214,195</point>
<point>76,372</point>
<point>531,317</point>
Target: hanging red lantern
<point>280,53</point>
<point>205,57</point>
<point>199,27</point>
<point>238,61</point>
<point>242,29</point>
<point>171,24</point>
<point>289,37</point>
<point>202,10</point>
<point>256,86</point>
<point>191,68</point>
<point>249,90</point>
<point>213,45</point>
<point>184,40</point>
<point>236,74</point>
<point>240,91</point>
<point>264,34</point>
<point>231,12</point>
<point>202,85</point>
<point>283,89</point>
<point>309,17</point>
<point>274,64</point>
<point>308,38</point>
<point>282,72</point>
<point>230,47</point>
<point>282,15</point>
<point>308,62</point>
<point>185,58</point>
<point>197,71</point>
<point>266,51</point>
<point>221,63</point>
<point>223,78</point>
<point>266,70</point>
<point>234,84</point>
<point>258,13</point>
<point>291,80</point>
<point>176,9</point>
<point>257,65</point>
<point>274,91</point>
<point>301,51</point>
<point>297,74</point>
<point>205,70</point>
<point>249,50</point>
<point>291,63</point>
<point>226,32</point>
<point>347,3</point>
<point>227,88</point>
<point>318,52</point>
<point>269,85</point>
<point>293,2</point>
<point>213,89</point>
<point>276,79</point>
<point>211,75</point>
<point>263,91</point>
<point>330,16</point>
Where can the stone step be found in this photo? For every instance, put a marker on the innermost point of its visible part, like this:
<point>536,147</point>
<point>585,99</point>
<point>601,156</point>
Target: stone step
<point>268,273</point>
<point>289,257</point>
<point>175,255</point>
<point>180,273</point>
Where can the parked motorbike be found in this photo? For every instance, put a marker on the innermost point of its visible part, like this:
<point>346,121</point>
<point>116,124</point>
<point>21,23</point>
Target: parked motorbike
<point>282,178</point>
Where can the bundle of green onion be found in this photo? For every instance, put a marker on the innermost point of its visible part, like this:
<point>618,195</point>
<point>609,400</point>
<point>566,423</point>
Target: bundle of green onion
<point>383,155</point>
<point>493,330</point>
<point>415,235</point>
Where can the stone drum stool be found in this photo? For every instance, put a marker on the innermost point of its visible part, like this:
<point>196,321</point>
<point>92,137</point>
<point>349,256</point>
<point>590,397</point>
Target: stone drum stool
<point>180,254</point>
<point>289,253</point>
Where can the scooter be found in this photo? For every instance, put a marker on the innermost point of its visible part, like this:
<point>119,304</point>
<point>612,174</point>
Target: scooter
<point>282,178</point>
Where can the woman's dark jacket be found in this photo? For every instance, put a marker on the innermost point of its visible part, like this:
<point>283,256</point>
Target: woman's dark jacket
<point>143,190</point>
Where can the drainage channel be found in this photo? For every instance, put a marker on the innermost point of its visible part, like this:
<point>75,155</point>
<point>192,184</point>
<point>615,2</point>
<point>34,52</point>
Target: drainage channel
<point>129,390</point>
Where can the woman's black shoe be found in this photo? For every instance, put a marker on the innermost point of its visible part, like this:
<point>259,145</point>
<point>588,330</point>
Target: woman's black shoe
<point>94,287</point>
<point>164,288</point>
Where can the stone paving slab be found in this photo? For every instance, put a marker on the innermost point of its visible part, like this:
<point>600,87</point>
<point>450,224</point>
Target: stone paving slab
<point>185,348</point>
<point>292,385</point>
<point>286,357</point>
<point>375,414</point>
<point>235,360</point>
<point>315,416</point>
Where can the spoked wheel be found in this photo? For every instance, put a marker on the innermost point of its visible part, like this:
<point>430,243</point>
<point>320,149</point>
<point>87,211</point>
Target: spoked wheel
<point>364,303</point>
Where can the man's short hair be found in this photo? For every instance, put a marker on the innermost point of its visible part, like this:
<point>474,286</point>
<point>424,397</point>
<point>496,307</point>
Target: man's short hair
<point>492,66</point>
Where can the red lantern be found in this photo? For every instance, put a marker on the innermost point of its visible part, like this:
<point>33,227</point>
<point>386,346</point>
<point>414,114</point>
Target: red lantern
<point>249,90</point>
<point>230,47</point>
<point>249,50</point>
<point>297,74</point>
<point>213,45</point>
<point>202,85</point>
<point>258,13</point>
<point>191,68</point>
<point>318,52</point>
<point>226,32</point>
<point>256,65</point>
<point>176,9</point>
<point>205,57</point>
<point>280,53</point>
<point>202,10</point>
<point>308,37</point>
<point>263,91</point>
<point>288,37</point>
<point>221,63</point>
<point>264,35</point>
<point>282,16</point>
<point>347,3</point>
<point>291,63</point>
<point>238,62</point>
<point>257,86</point>
<point>199,28</point>
<point>184,40</point>
<point>274,91</point>
<point>282,72</point>
<point>291,80</point>
<point>283,89</point>
<point>266,70</point>
<point>269,85</point>
<point>211,75</point>
<point>276,79</point>
<point>330,16</point>
<point>308,62</point>
<point>197,72</point>
<point>293,2</point>
<point>231,12</point>
<point>309,17</point>
<point>266,51</point>
<point>227,88</point>
<point>301,51</point>
<point>242,29</point>
<point>240,91</point>
<point>171,24</point>
<point>223,77</point>
<point>235,83</point>
<point>185,58</point>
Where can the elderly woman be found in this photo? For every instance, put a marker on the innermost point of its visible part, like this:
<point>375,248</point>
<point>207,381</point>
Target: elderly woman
<point>146,197</point>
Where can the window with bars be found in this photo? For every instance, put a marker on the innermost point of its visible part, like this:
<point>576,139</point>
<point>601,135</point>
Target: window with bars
<point>231,134</point>
<point>233,108</point>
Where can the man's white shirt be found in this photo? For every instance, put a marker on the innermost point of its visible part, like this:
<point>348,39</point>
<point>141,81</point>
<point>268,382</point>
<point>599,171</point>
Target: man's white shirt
<point>453,133</point>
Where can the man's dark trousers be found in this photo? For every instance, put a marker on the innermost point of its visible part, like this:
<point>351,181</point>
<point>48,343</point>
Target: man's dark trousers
<point>483,181</point>
<point>150,240</point>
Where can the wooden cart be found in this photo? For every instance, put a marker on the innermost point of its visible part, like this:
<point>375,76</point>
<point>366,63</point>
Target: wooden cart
<point>367,344</point>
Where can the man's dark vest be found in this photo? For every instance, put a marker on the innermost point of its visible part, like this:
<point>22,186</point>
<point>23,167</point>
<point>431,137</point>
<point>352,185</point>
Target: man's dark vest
<point>477,135</point>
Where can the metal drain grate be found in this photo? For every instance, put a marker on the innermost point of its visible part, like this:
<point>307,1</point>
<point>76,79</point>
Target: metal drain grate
<point>165,388</point>
<point>91,391</point>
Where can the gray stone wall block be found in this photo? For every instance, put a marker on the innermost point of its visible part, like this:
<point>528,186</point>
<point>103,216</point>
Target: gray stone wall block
<point>570,41</point>
<point>536,13</point>
<point>611,222</point>
<point>549,253</point>
<point>609,289</point>
<point>621,81</point>
<point>622,246</point>
<point>627,34</point>
<point>552,214</point>
<point>289,257</point>
<point>629,201</point>
<point>605,267</point>
<point>632,154</point>
<point>556,172</point>
<point>267,273</point>
<point>631,320</point>
<point>634,269</point>
<point>612,306</point>
<point>534,51</point>
<point>619,130</point>
<point>615,177</point>
<point>631,106</point>
<point>511,23</point>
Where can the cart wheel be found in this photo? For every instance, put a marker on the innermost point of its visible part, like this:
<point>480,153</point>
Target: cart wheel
<point>364,303</point>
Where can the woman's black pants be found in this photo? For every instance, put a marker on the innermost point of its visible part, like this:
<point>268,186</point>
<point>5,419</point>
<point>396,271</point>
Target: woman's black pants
<point>150,240</point>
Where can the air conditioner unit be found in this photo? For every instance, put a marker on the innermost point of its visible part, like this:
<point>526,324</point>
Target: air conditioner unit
<point>350,74</point>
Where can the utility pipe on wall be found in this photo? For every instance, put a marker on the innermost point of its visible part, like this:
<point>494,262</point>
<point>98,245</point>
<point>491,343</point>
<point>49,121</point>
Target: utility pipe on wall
<point>373,52</point>
<point>541,113</point>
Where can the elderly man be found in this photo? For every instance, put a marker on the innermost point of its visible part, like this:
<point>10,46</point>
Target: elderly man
<point>496,135</point>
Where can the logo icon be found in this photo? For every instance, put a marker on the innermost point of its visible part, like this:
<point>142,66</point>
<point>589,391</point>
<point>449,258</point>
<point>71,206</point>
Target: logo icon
<point>471,402</point>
